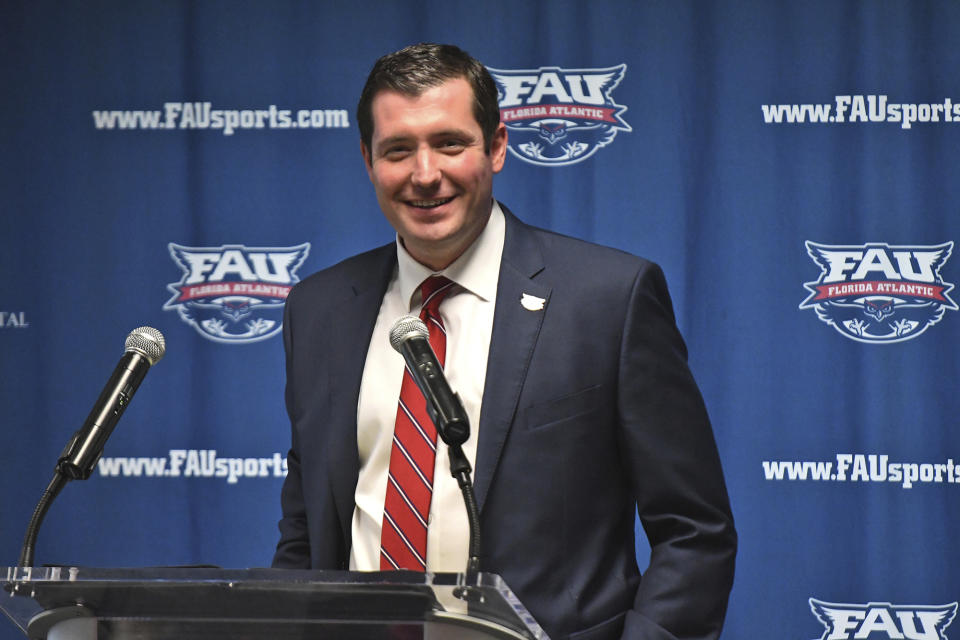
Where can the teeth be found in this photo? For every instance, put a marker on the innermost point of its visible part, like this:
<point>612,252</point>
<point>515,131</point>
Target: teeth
<point>426,204</point>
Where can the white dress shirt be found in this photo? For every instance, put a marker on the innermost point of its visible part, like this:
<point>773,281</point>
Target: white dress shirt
<point>467,314</point>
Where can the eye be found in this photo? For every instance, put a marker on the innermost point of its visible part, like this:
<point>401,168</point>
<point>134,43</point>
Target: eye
<point>452,145</point>
<point>396,152</point>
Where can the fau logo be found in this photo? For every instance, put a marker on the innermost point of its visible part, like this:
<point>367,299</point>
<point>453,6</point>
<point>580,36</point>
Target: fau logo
<point>878,293</point>
<point>559,116</point>
<point>233,293</point>
<point>883,621</point>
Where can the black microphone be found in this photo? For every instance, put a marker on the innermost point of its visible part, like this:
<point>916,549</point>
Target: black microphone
<point>410,337</point>
<point>143,348</point>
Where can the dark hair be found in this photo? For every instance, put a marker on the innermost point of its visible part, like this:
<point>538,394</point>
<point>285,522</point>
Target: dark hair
<point>419,67</point>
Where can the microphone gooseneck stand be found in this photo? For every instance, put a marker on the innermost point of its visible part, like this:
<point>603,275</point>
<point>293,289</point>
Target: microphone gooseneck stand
<point>460,470</point>
<point>30,539</point>
<point>453,427</point>
<point>77,462</point>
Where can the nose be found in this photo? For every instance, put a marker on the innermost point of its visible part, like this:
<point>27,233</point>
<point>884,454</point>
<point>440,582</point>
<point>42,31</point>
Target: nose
<point>426,170</point>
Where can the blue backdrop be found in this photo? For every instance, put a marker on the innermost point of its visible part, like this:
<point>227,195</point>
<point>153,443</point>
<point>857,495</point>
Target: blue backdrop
<point>791,165</point>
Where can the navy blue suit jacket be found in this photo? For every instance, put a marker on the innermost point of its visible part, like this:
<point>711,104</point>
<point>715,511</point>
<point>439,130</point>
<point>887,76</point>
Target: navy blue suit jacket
<point>590,415</point>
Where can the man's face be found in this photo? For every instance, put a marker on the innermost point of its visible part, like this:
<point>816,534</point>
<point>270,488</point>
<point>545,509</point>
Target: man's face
<point>427,164</point>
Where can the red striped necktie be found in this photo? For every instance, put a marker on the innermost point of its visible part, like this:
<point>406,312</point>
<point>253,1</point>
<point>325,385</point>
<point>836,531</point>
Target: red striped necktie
<point>403,536</point>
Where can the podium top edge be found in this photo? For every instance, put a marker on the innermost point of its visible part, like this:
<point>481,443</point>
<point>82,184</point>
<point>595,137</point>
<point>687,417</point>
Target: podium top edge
<point>11,576</point>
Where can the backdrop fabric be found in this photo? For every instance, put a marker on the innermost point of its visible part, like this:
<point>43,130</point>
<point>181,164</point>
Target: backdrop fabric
<point>791,165</point>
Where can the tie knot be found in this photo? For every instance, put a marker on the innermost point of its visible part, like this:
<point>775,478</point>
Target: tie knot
<point>433,290</point>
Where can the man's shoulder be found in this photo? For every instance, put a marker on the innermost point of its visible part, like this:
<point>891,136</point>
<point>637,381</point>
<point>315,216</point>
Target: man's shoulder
<point>582,254</point>
<point>571,244</point>
<point>360,270</point>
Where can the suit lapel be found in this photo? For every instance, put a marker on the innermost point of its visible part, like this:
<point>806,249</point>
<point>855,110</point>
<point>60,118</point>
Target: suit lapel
<point>355,310</point>
<point>515,331</point>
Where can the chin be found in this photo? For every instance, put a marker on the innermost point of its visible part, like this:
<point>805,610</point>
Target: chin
<point>432,228</point>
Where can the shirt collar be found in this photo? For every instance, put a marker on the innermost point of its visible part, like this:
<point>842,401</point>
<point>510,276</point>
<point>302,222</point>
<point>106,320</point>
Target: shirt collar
<point>476,270</point>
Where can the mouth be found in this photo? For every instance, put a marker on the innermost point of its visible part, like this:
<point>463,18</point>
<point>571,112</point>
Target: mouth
<point>429,204</point>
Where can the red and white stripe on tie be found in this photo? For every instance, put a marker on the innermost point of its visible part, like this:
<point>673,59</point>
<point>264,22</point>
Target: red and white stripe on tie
<point>403,537</point>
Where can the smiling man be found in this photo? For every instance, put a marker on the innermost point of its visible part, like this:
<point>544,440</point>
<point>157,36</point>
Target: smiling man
<point>432,169</point>
<point>570,367</point>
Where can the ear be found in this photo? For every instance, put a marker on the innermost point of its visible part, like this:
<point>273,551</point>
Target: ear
<point>498,148</point>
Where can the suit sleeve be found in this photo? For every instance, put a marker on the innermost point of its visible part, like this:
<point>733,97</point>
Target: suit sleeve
<point>675,474</point>
<point>293,549</point>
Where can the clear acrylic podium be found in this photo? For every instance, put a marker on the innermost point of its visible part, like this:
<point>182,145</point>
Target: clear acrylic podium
<point>71,603</point>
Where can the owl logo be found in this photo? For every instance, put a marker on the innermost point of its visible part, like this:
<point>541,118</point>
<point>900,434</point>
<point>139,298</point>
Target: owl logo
<point>234,294</point>
<point>882,620</point>
<point>559,116</point>
<point>879,293</point>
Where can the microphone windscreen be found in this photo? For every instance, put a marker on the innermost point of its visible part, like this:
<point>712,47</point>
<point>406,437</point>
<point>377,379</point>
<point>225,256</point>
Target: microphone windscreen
<point>148,342</point>
<point>406,327</point>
